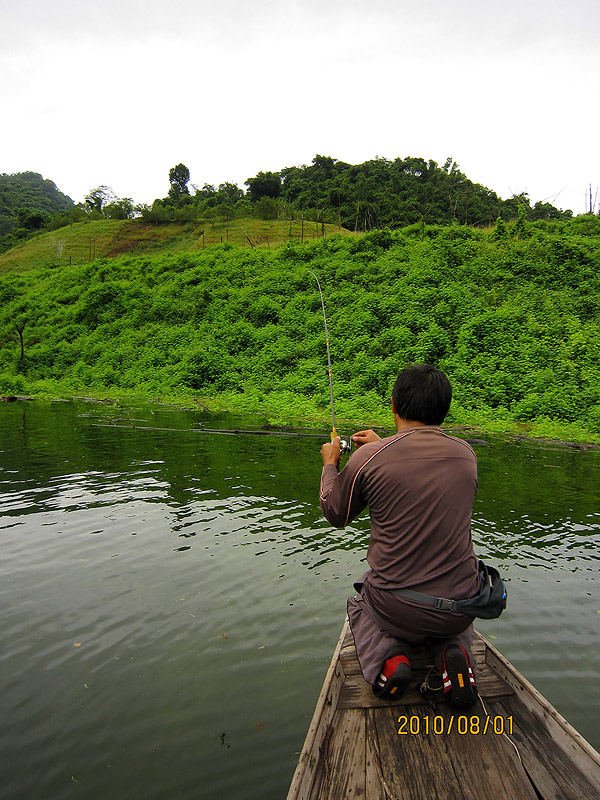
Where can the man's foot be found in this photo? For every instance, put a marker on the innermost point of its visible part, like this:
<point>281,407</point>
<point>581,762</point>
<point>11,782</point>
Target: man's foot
<point>393,678</point>
<point>459,682</point>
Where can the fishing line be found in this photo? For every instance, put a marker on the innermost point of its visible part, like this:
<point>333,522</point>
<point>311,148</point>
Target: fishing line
<point>345,446</point>
<point>333,431</point>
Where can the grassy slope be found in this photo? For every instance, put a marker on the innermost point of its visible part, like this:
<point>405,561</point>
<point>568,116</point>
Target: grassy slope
<point>85,241</point>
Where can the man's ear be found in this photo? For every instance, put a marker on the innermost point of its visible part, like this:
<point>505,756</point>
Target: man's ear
<point>393,406</point>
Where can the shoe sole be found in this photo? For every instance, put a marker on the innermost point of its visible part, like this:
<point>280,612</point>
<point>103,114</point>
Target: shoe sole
<point>462,693</point>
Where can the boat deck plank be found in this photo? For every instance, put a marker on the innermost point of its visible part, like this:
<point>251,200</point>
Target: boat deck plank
<point>359,746</point>
<point>399,763</point>
<point>539,750</point>
<point>364,756</point>
<point>342,773</point>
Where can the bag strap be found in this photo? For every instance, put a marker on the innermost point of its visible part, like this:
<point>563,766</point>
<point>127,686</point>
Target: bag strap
<point>437,602</point>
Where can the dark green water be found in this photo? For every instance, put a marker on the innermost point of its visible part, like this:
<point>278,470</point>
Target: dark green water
<point>170,599</point>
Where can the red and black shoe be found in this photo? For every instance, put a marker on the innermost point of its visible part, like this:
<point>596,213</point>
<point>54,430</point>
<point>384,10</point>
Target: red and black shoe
<point>393,678</point>
<point>459,682</point>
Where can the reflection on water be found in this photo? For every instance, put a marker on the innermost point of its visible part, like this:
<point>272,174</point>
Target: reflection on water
<point>170,599</point>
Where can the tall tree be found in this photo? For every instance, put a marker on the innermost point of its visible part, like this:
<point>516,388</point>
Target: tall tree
<point>179,177</point>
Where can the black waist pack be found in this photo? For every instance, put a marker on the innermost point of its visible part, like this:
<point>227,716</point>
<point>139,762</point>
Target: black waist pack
<point>488,603</point>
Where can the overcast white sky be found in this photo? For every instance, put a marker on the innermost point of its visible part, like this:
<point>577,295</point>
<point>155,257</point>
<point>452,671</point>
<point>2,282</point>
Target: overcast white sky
<point>117,92</point>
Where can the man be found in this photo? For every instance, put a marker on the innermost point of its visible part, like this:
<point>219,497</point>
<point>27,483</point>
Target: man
<point>419,486</point>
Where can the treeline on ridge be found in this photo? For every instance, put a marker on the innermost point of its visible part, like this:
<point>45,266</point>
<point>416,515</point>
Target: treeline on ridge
<point>512,315</point>
<point>376,194</point>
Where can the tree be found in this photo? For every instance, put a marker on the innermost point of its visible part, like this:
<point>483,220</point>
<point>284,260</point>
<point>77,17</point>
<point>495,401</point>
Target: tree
<point>323,166</point>
<point>543,210</point>
<point>207,192</point>
<point>229,193</point>
<point>156,213</point>
<point>16,308</point>
<point>265,184</point>
<point>120,209</point>
<point>179,177</point>
<point>99,197</point>
<point>266,208</point>
<point>30,220</point>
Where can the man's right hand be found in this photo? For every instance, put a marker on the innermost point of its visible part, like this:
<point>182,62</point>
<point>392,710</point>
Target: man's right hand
<point>330,452</point>
<point>364,437</point>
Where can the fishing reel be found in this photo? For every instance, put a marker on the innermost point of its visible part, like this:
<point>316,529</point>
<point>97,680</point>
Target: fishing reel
<point>345,446</point>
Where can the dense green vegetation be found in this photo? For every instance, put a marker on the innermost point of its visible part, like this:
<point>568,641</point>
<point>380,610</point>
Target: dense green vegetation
<point>27,202</point>
<point>362,197</point>
<point>512,315</point>
<point>383,193</point>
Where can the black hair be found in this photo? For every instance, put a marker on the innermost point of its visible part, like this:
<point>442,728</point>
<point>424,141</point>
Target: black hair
<point>422,393</point>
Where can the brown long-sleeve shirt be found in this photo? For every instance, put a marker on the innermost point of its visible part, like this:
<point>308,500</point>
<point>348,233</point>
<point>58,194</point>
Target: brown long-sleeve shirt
<point>419,486</point>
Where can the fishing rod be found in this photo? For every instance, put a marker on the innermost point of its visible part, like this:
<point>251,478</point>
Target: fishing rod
<point>345,446</point>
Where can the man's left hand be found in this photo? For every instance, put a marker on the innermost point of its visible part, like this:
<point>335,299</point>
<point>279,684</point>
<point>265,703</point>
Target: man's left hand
<point>331,452</point>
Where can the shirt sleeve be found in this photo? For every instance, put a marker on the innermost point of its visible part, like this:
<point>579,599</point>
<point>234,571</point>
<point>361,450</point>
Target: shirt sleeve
<point>341,496</point>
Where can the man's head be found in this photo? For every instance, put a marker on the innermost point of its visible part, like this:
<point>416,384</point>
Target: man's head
<point>422,393</point>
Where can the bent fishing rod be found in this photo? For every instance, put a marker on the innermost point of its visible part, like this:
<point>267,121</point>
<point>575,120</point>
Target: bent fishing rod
<point>345,446</point>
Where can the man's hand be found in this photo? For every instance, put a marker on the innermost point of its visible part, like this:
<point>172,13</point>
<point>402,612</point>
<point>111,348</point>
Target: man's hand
<point>331,452</point>
<point>364,437</point>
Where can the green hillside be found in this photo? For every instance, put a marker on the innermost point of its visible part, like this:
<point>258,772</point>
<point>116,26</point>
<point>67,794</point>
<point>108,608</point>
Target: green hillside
<point>512,315</point>
<point>83,242</point>
<point>27,200</point>
<point>376,194</point>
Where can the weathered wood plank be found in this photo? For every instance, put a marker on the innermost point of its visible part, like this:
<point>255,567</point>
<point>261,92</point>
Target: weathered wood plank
<point>365,756</point>
<point>375,785</point>
<point>349,660</point>
<point>553,772</point>
<point>348,639</point>
<point>408,767</point>
<point>542,726</point>
<point>485,762</point>
<point>319,726</point>
<point>341,774</point>
<point>453,764</point>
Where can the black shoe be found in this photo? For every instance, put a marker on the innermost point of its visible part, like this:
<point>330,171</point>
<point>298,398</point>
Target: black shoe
<point>458,678</point>
<point>393,685</point>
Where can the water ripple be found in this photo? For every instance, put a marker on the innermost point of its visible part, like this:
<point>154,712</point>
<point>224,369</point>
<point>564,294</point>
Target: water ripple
<point>157,602</point>
<point>552,543</point>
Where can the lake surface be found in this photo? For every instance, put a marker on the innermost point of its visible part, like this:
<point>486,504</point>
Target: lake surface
<point>170,599</point>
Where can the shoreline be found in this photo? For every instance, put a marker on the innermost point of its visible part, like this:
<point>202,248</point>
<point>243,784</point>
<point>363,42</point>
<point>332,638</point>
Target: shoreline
<point>509,430</point>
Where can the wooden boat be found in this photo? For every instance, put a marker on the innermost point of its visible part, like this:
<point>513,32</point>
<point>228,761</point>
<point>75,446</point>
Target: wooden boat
<point>511,745</point>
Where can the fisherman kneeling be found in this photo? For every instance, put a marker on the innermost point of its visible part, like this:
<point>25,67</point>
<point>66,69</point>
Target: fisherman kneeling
<point>419,486</point>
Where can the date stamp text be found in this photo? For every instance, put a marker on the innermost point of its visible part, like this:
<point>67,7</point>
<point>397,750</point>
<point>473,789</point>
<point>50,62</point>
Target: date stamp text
<point>461,724</point>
